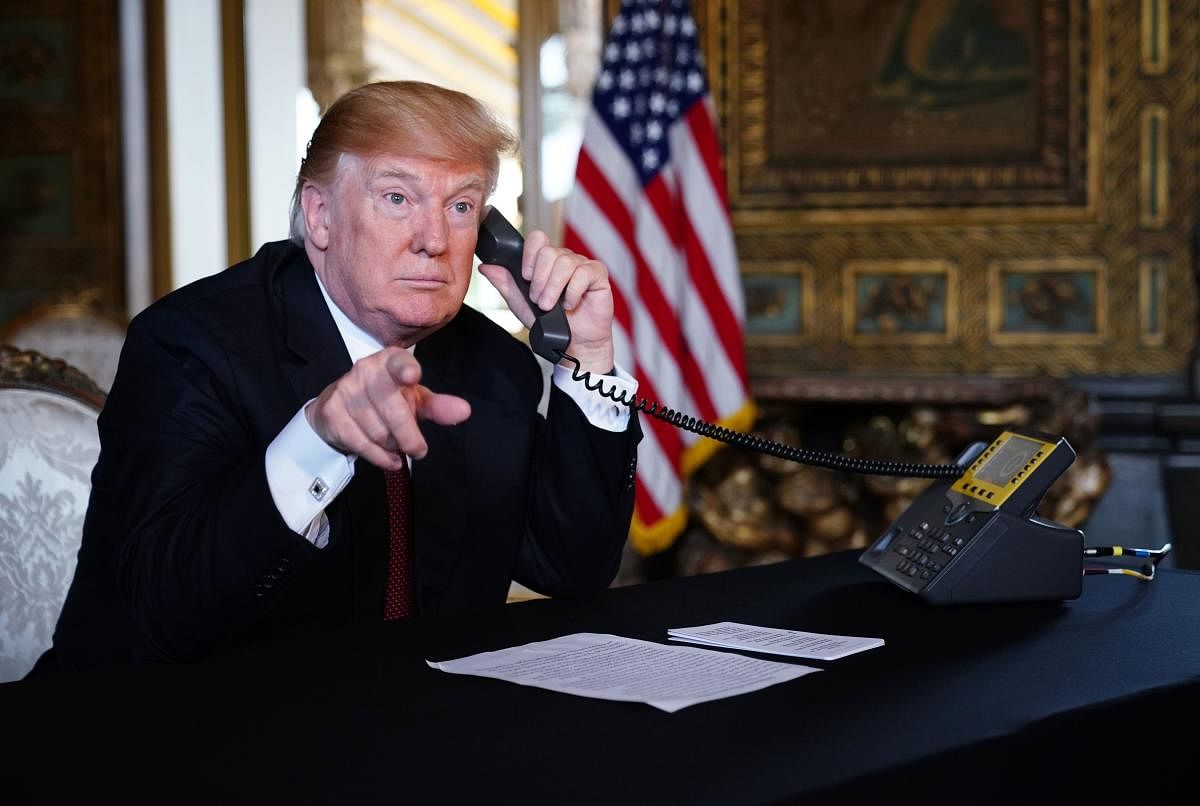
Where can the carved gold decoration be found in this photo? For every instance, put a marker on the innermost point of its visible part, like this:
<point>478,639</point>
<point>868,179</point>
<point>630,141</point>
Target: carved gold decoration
<point>28,369</point>
<point>752,508</point>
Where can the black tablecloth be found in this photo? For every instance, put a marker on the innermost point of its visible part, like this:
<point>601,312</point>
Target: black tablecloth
<point>969,703</point>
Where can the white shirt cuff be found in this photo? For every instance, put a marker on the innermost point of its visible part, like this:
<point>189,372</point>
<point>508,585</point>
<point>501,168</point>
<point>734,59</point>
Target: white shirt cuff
<point>600,411</point>
<point>305,476</point>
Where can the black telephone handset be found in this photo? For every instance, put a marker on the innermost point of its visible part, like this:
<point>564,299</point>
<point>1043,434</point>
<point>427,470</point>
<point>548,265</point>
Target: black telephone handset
<point>501,244</point>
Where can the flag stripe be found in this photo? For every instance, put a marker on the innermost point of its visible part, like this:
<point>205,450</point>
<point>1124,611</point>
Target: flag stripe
<point>667,328</point>
<point>650,202</point>
<point>664,263</point>
<point>603,239</point>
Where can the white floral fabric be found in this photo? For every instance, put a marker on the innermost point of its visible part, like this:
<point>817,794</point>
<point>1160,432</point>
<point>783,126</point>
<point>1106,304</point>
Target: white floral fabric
<point>48,446</point>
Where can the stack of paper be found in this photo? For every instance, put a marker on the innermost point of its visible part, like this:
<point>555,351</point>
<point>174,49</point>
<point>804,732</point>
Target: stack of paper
<point>792,643</point>
<point>611,667</point>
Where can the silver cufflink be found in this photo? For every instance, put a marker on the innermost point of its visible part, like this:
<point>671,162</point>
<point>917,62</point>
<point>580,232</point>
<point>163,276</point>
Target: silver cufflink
<point>318,488</point>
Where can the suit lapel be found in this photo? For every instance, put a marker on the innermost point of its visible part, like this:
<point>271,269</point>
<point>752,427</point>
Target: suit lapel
<point>309,331</point>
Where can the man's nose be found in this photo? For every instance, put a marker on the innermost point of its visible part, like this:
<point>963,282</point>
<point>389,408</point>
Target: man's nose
<point>431,232</point>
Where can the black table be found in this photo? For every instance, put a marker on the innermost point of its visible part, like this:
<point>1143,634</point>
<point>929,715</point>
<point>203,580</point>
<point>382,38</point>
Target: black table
<point>983,703</point>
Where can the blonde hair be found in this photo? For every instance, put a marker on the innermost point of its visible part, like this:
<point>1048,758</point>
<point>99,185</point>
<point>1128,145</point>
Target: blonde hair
<point>409,118</point>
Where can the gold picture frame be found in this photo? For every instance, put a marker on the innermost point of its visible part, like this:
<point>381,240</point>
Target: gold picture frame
<point>778,178</point>
<point>1048,306</point>
<point>898,301</point>
<point>779,297</point>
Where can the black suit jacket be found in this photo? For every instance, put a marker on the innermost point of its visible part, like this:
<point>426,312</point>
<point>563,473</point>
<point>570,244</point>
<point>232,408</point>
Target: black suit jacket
<point>184,553</point>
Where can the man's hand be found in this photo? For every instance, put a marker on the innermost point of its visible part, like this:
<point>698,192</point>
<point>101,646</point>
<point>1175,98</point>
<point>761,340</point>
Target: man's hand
<point>372,410</point>
<point>553,273</point>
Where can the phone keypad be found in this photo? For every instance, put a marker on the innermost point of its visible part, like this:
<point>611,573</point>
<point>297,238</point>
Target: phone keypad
<point>923,550</point>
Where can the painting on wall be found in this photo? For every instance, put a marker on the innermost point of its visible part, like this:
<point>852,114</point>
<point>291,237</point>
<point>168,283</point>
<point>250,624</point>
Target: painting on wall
<point>1054,299</point>
<point>778,299</point>
<point>61,203</point>
<point>905,301</point>
<point>36,59</point>
<point>867,103</point>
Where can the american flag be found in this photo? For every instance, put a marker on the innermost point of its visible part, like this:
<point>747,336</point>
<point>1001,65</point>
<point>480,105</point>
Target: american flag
<point>650,201</point>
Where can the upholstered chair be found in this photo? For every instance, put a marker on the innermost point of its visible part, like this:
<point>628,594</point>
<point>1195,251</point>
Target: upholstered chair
<point>48,445</point>
<point>76,328</point>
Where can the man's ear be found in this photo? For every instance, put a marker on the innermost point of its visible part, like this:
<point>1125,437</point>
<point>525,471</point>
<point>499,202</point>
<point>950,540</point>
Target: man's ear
<point>315,202</point>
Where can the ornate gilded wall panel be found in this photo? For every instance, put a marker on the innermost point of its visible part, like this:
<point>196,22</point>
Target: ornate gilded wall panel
<point>60,158</point>
<point>1042,150</point>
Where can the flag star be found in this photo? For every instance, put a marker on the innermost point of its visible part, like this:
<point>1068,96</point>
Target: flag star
<point>636,133</point>
<point>661,75</point>
<point>619,24</point>
<point>683,55</point>
<point>639,105</point>
<point>670,24</point>
<point>654,131</point>
<point>628,80</point>
<point>620,107</point>
<point>605,81</point>
<point>673,108</point>
<point>658,102</point>
<point>694,82</point>
<point>649,48</point>
<point>676,81</point>
<point>612,51</point>
<point>633,52</point>
<point>651,17</point>
<point>645,76</point>
<point>688,26</point>
<point>636,23</point>
<point>650,159</point>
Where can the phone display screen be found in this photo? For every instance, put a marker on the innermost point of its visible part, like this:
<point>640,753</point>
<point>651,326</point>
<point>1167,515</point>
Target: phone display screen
<point>1009,458</point>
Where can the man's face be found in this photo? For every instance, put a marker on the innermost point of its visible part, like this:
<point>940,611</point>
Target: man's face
<point>401,233</point>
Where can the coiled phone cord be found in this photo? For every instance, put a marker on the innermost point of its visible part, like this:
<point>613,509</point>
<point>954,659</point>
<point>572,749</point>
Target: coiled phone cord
<point>830,461</point>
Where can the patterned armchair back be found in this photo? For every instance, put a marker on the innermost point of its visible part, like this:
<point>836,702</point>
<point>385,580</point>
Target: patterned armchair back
<point>48,446</point>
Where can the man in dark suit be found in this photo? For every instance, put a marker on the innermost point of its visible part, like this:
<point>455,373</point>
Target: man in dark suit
<point>325,434</point>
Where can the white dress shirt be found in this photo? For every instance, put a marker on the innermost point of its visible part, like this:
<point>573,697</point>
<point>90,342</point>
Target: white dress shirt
<point>305,474</point>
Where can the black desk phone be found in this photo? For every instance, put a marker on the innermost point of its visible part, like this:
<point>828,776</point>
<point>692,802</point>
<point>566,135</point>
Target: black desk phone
<point>972,537</point>
<point>977,538</point>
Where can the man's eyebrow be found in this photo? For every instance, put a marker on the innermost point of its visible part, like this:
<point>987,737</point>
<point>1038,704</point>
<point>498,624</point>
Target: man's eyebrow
<point>395,173</point>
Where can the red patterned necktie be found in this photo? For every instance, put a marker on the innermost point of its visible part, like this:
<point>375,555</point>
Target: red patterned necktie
<point>398,601</point>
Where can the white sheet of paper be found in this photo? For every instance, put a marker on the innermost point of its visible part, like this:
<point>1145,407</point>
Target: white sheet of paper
<point>792,643</point>
<point>611,667</point>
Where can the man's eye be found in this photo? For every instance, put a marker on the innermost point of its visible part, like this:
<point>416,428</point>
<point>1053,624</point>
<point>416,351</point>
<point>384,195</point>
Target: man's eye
<point>462,207</point>
<point>396,198</point>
